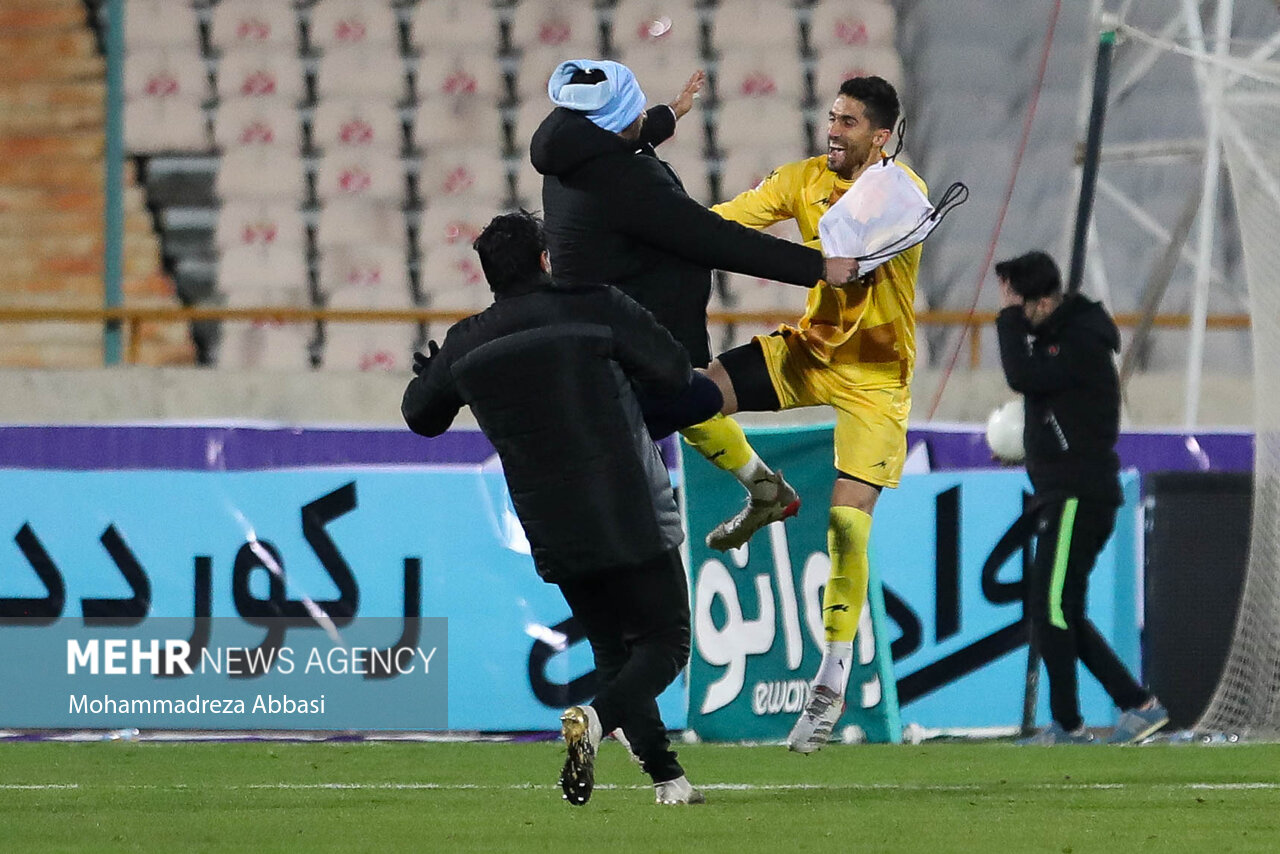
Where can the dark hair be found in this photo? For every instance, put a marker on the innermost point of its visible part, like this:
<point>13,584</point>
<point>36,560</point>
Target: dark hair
<point>510,249</point>
<point>1032,276</point>
<point>592,77</point>
<point>878,97</point>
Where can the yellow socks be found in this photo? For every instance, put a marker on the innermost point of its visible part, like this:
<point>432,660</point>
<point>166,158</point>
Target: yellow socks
<point>848,532</point>
<point>721,441</point>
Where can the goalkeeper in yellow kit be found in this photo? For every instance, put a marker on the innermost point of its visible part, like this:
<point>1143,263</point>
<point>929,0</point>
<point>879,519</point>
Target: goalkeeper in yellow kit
<point>853,350</point>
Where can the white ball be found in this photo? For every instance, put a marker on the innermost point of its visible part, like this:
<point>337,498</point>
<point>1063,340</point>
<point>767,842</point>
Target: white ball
<point>690,737</point>
<point>853,734</point>
<point>1004,432</point>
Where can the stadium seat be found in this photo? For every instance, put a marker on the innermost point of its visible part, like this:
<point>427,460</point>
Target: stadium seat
<point>166,72</point>
<point>457,73</point>
<point>663,69</point>
<point>759,75</point>
<point>369,346</point>
<point>683,154</point>
<point>526,119</point>
<point>361,172</point>
<point>458,120</point>
<point>251,268</point>
<point>356,222</point>
<point>744,167</point>
<point>164,91</point>
<point>769,25</point>
<point>349,123</point>
<point>154,125</point>
<point>453,24</point>
<point>463,173</point>
<point>257,121</point>
<point>452,279</point>
<point>266,344</point>
<point>160,23</point>
<point>641,24</point>
<point>338,23</point>
<point>851,24</point>
<point>239,24</point>
<point>365,71</point>
<point>444,226</point>
<point>364,267</point>
<point>735,120</point>
<point>261,172</point>
<point>260,223</point>
<point>260,73</point>
<point>836,66</point>
<point>560,25</point>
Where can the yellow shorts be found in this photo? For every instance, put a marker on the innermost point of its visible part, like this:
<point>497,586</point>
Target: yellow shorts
<point>871,423</point>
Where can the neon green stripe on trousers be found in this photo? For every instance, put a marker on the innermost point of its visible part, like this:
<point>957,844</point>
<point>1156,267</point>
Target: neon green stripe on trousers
<point>1060,557</point>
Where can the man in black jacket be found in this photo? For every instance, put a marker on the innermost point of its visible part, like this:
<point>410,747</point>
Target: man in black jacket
<point>616,213</point>
<point>1056,351</point>
<point>549,373</point>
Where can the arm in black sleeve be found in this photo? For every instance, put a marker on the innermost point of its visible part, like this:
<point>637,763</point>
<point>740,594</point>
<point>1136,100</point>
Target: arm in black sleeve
<point>660,214</point>
<point>654,361</point>
<point>1073,360</point>
<point>431,401</point>
<point>659,125</point>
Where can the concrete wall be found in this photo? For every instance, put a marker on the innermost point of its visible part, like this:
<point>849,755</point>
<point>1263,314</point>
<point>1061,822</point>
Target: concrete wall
<point>373,399</point>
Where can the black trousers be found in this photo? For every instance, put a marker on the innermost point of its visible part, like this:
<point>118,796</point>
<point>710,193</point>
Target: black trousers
<point>637,622</point>
<point>1070,535</point>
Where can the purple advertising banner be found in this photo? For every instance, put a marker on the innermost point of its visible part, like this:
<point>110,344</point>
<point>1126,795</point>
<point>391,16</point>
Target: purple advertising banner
<point>239,447</point>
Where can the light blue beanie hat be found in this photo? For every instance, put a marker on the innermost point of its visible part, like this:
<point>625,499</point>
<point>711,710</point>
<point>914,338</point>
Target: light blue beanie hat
<point>612,104</point>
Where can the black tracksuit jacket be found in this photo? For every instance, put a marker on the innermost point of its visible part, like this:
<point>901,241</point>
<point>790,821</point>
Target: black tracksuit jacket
<point>616,213</point>
<point>1064,369</point>
<point>548,373</point>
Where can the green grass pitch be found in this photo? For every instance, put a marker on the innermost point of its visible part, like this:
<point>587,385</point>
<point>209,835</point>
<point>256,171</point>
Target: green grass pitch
<point>389,797</point>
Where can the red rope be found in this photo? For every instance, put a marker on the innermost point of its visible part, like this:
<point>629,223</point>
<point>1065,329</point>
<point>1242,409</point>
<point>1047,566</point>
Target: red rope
<point>1004,207</point>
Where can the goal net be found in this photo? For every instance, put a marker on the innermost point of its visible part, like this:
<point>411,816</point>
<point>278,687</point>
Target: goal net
<point>1247,699</point>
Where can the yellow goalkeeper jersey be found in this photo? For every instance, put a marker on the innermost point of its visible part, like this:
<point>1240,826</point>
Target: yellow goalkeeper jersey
<point>865,332</point>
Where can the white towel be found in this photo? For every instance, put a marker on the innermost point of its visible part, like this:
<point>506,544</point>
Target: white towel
<point>883,208</point>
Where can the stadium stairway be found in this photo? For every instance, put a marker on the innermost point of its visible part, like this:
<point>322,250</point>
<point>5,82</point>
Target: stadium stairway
<point>52,121</point>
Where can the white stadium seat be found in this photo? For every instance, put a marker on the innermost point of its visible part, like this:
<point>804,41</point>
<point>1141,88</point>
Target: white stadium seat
<point>260,223</point>
<point>154,125</point>
<point>261,171</point>
<point>356,123</point>
<point>769,25</point>
<point>336,23</point>
<point>844,24</point>
<point>756,75</point>
<point>655,23</point>
<point>369,346</point>
<point>257,121</point>
<point>358,222</point>
<point>454,24</point>
<point>239,24</point>
<point>570,28</point>
<point>365,71</point>
<point>165,72</point>
<point>160,23</point>
<point>369,173</point>
<point>261,73</point>
<point>368,267</point>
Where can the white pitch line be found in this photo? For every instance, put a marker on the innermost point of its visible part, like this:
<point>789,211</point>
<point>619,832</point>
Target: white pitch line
<point>726,787</point>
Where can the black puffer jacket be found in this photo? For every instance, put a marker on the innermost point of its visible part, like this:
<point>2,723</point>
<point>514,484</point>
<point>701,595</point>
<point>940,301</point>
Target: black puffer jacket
<point>616,213</point>
<point>1065,370</point>
<point>548,374</point>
